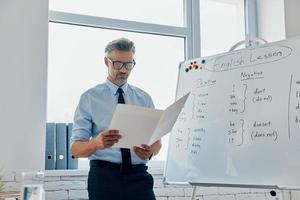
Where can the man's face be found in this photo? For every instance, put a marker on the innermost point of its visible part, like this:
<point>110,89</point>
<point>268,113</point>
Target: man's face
<point>118,76</point>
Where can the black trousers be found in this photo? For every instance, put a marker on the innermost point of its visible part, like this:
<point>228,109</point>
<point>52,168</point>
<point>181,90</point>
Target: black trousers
<point>107,182</point>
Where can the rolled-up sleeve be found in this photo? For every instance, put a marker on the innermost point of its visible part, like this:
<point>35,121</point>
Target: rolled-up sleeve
<point>82,125</point>
<point>150,102</point>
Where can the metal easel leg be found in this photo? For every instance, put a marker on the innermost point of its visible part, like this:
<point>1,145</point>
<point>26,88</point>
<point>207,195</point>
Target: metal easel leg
<point>194,193</point>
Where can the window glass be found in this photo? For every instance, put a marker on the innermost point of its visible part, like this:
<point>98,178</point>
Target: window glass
<point>76,63</point>
<point>222,25</point>
<point>168,12</point>
<point>271,19</point>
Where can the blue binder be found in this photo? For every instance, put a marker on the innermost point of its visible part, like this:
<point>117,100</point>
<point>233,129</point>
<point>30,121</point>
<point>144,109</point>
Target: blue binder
<point>72,162</point>
<point>50,153</point>
<point>61,146</point>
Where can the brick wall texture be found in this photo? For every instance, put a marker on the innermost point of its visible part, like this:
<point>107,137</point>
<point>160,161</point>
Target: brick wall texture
<point>70,186</point>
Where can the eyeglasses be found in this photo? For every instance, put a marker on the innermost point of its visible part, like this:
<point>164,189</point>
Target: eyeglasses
<point>119,65</point>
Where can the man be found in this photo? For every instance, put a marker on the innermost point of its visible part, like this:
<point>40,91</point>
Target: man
<point>115,174</point>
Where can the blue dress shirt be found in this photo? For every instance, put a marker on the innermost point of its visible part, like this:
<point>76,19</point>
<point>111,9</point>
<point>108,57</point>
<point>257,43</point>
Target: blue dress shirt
<point>94,113</point>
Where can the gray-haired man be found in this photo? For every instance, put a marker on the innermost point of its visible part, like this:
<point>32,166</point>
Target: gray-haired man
<point>114,173</point>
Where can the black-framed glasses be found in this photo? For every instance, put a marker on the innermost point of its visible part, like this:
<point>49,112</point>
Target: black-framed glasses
<point>119,65</point>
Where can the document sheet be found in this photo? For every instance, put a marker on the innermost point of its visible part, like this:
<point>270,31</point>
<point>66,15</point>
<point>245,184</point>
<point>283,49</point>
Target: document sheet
<point>139,125</point>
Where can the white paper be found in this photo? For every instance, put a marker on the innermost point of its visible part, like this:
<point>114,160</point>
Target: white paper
<point>139,125</point>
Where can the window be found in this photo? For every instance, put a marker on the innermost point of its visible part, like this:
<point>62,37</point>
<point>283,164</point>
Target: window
<point>163,34</point>
<point>167,12</point>
<point>271,19</point>
<point>76,64</point>
<point>221,25</point>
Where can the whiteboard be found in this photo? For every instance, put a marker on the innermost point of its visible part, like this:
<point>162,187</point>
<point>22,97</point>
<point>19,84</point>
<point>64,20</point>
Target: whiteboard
<point>241,122</point>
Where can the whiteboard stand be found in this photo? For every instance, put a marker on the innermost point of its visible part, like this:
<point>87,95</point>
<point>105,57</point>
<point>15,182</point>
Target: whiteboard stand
<point>266,59</point>
<point>194,192</point>
<point>249,42</point>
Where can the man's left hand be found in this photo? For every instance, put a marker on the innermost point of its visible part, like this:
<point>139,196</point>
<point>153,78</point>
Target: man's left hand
<point>143,152</point>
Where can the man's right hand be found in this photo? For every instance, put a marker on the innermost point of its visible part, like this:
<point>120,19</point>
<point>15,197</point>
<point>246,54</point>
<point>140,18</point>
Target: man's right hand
<point>107,139</point>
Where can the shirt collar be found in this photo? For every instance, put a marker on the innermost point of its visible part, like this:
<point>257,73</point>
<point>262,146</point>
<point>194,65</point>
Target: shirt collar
<point>113,88</point>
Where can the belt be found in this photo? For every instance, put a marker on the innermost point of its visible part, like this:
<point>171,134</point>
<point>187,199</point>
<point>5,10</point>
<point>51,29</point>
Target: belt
<point>115,166</point>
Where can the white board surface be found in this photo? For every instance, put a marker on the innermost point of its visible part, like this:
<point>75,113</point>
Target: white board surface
<point>241,123</point>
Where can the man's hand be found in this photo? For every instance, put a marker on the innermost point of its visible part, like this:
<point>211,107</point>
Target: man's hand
<point>143,152</point>
<point>107,139</point>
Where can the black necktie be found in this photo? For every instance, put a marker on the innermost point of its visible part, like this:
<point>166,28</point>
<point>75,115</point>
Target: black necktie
<point>126,157</point>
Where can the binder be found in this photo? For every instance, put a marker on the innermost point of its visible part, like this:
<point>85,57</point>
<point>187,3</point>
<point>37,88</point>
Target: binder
<point>72,162</point>
<point>50,153</point>
<point>61,146</point>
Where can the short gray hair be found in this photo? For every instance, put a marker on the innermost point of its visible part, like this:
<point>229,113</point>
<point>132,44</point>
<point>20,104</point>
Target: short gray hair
<point>121,44</point>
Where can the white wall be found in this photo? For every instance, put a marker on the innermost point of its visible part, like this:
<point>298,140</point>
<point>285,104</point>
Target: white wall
<point>271,24</point>
<point>292,16</point>
<point>23,73</point>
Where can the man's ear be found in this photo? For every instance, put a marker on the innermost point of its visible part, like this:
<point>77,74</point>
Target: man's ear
<point>106,61</point>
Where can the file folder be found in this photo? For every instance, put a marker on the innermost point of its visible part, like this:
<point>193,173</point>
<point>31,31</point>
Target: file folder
<point>61,146</point>
<point>50,153</point>
<point>72,162</point>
